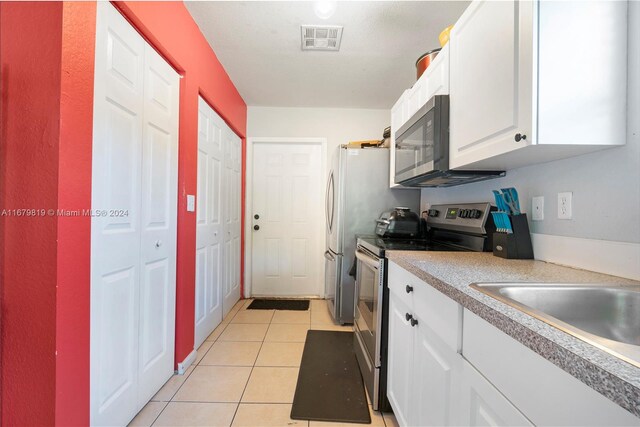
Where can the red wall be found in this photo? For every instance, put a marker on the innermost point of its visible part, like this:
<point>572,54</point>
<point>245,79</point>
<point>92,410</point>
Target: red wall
<point>31,36</point>
<point>74,234</point>
<point>47,55</point>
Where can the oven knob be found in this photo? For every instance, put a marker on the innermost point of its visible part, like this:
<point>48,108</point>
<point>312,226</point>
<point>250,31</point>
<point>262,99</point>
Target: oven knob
<point>477,213</point>
<point>409,289</point>
<point>433,213</point>
<point>464,213</point>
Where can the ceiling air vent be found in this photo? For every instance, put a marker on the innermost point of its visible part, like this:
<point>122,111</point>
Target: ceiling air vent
<point>321,37</point>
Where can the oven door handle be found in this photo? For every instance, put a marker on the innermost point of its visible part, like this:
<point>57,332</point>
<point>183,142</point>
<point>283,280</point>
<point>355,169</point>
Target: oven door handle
<point>368,259</point>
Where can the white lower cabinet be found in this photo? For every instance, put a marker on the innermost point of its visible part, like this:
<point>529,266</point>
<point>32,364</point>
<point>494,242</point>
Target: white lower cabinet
<point>544,393</point>
<point>436,374</point>
<point>399,379</point>
<point>424,369</point>
<point>481,404</point>
<point>447,366</point>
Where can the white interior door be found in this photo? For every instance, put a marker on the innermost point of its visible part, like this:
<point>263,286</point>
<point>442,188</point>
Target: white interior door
<point>159,225</point>
<point>209,223</point>
<point>133,229</point>
<point>287,219</point>
<point>115,240</point>
<point>232,209</point>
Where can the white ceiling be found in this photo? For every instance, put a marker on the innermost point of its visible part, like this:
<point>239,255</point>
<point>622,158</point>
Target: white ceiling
<point>258,43</point>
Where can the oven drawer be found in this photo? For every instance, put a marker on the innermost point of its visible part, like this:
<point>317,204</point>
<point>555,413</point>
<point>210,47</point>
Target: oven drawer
<point>441,313</point>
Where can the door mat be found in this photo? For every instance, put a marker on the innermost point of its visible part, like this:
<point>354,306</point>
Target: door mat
<point>330,387</point>
<point>279,304</point>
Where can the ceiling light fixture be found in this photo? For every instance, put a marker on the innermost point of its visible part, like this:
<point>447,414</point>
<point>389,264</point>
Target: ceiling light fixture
<point>324,9</point>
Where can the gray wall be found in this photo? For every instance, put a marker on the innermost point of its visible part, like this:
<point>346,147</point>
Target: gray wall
<point>605,184</point>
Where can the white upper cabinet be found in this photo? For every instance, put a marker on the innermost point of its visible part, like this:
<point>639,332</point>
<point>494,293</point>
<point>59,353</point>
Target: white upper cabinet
<point>491,80</point>
<point>436,77</point>
<point>523,85</point>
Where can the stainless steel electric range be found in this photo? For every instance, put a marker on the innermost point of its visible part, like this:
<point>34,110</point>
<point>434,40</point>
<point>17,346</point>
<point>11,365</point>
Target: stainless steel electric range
<point>454,227</point>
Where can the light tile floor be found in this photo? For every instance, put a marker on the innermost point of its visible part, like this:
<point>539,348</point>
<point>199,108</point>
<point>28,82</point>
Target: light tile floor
<point>245,373</point>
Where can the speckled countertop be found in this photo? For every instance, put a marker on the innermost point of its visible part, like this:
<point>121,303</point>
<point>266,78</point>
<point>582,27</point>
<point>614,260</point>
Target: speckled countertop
<point>452,272</point>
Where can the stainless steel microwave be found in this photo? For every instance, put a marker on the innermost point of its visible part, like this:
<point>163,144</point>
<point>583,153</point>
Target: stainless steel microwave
<point>422,150</point>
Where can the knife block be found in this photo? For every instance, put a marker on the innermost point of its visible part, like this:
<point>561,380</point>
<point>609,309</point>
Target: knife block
<point>516,245</point>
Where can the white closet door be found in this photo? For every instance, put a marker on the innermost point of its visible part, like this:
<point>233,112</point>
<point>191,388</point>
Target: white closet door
<point>232,208</point>
<point>159,225</point>
<point>115,240</point>
<point>209,232</point>
<point>133,230</point>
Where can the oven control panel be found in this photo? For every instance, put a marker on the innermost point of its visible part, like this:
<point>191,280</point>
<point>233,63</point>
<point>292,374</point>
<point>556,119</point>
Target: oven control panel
<point>467,217</point>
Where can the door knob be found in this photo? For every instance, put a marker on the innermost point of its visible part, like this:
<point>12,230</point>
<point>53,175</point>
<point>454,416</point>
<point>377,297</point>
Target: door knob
<point>408,317</point>
<point>409,289</point>
<point>158,243</point>
<point>256,227</point>
<point>414,322</point>
<point>519,137</point>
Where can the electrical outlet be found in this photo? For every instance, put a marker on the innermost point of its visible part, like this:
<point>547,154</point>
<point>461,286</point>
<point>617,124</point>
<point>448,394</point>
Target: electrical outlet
<point>537,208</point>
<point>564,205</point>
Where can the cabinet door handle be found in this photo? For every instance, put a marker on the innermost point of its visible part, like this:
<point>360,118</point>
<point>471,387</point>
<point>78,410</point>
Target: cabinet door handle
<point>408,317</point>
<point>409,289</point>
<point>519,137</point>
<point>414,322</point>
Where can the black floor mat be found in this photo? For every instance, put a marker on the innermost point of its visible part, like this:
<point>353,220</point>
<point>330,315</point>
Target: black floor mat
<point>279,304</point>
<point>330,386</point>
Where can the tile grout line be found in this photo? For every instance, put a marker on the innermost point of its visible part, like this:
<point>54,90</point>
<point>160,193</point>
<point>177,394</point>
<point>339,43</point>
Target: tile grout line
<point>309,324</point>
<point>250,373</point>
<point>159,413</point>
<point>194,367</point>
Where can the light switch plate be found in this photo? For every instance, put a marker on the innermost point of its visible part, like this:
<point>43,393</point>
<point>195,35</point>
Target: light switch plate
<point>191,203</point>
<point>537,208</point>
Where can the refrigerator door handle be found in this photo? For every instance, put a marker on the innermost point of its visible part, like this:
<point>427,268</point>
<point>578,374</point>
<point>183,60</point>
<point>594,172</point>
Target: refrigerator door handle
<point>328,256</point>
<point>329,215</point>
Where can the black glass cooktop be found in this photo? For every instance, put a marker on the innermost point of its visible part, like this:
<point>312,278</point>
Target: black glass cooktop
<point>378,245</point>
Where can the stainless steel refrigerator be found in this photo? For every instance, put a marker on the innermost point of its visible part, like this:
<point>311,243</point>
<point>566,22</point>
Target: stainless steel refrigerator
<point>357,193</point>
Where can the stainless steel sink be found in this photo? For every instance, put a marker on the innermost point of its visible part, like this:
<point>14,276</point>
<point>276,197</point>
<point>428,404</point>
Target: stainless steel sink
<point>603,315</point>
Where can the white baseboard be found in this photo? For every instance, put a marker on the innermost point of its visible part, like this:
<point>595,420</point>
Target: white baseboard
<point>603,256</point>
<point>184,365</point>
